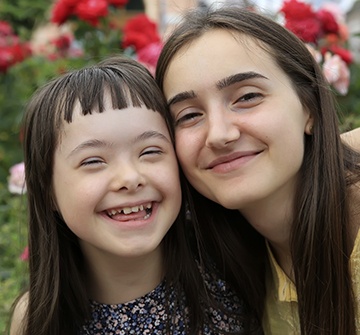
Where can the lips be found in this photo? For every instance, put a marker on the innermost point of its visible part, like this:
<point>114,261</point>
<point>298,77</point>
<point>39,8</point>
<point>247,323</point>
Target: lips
<point>231,158</point>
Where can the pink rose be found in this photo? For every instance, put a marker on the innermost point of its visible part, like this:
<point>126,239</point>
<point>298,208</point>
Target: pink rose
<point>25,254</point>
<point>16,183</point>
<point>149,55</point>
<point>336,72</point>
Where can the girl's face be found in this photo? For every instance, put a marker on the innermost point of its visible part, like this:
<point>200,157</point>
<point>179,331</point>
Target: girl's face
<point>116,181</point>
<point>239,123</point>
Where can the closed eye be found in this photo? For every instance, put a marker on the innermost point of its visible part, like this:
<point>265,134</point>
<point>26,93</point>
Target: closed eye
<point>92,161</point>
<point>152,151</point>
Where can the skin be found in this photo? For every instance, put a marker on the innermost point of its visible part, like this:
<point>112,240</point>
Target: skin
<point>240,142</point>
<point>106,162</point>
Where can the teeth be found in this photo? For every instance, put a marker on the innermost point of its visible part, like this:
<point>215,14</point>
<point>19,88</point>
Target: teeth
<point>128,210</point>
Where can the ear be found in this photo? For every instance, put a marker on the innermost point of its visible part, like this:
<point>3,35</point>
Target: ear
<point>309,125</point>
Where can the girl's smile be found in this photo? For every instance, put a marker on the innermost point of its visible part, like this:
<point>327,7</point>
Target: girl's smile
<point>137,217</point>
<point>232,162</point>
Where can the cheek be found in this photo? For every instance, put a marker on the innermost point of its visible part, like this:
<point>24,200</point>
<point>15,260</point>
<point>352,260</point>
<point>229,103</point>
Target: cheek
<point>187,145</point>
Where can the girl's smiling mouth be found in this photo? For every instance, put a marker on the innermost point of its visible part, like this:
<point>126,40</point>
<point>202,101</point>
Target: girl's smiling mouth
<point>229,163</point>
<point>142,211</point>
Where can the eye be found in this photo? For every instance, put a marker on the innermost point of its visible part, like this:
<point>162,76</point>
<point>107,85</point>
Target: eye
<point>250,97</point>
<point>151,151</point>
<point>187,118</point>
<point>92,161</point>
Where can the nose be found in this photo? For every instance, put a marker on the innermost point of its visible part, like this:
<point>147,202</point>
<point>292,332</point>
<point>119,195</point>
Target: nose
<point>127,177</point>
<point>222,128</point>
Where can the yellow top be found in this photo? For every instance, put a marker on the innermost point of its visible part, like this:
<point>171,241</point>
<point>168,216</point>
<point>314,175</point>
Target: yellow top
<point>281,315</point>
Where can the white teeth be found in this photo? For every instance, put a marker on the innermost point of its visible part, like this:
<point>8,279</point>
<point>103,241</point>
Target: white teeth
<point>128,210</point>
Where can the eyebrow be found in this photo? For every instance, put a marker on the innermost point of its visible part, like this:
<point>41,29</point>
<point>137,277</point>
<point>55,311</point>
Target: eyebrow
<point>89,144</point>
<point>181,97</point>
<point>238,77</point>
<point>221,84</point>
<point>150,134</point>
<point>101,144</point>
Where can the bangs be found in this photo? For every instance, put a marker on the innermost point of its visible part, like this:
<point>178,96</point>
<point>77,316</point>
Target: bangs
<point>88,87</point>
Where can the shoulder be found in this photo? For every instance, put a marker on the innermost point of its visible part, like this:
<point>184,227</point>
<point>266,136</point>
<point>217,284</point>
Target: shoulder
<point>352,138</point>
<point>18,316</point>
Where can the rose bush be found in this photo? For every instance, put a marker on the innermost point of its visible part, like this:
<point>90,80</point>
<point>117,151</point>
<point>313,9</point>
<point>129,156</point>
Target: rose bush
<point>326,33</point>
<point>78,32</point>
<point>12,50</point>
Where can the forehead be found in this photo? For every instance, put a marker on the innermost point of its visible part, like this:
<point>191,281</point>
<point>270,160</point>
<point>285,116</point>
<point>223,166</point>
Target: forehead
<point>111,120</point>
<point>214,55</point>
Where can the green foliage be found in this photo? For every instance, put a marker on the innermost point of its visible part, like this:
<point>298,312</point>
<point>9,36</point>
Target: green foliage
<point>13,239</point>
<point>17,85</point>
<point>24,15</point>
<point>97,43</point>
<point>350,104</point>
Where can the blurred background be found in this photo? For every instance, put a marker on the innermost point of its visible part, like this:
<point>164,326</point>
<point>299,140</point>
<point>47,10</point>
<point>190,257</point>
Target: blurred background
<point>40,39</point>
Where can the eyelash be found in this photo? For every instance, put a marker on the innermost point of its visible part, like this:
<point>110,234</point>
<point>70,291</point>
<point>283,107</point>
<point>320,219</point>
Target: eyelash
<point>186,117</point>
<point>249,96</point>
<point>91,162</point>
<point>150,152</point>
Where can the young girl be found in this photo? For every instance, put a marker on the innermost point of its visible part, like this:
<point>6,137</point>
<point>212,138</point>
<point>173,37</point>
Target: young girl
<point>257,132</point>
<point>110,251</point>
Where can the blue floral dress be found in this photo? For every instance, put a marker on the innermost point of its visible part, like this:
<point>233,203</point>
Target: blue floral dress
<point>148,314</point>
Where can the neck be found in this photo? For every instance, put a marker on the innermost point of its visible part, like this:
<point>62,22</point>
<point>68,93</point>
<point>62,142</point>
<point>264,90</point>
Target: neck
<point>272,218</point>
<point>117,280</point>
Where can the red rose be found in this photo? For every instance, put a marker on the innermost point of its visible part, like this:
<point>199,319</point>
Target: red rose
<point>91,10</point>
<point>5,58</point>
<point>135,39</point>
<point>345,54</point>
<point>61,11</point>
<point>70,3</point>
<point>307,30</point>
<point>117,3</point>
<point>295,10</point>
<point>62,42</point>
<point>327,19</point>
<point>12,54</point>
<point>5,29</point>
<point>139,32</point>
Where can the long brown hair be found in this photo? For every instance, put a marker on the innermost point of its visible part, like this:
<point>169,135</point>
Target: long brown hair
<point>320,242</point>
<point>58,303</point>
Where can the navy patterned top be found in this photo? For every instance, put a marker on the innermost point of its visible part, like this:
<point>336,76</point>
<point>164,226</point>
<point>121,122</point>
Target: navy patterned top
<point>148,314</point>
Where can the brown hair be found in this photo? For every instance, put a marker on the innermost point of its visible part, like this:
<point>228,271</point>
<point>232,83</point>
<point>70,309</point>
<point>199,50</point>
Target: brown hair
<point>320,243</point>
